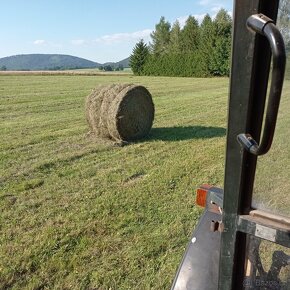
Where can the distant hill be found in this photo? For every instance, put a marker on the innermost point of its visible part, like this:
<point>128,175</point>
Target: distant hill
<point>50,62</point>
<point>124,63</point>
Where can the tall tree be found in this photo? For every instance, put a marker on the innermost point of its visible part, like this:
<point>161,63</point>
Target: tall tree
<point>160,37</point>
<point>206,43</point>
<point>175,35</point>
<point>192,51</point>
<point>222,43</point>
<point>138,57</point>
<point>189,35</point>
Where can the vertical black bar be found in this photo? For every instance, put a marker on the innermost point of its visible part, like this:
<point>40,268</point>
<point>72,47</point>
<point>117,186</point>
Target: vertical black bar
<point>248,86</point>
<point>259,83</point>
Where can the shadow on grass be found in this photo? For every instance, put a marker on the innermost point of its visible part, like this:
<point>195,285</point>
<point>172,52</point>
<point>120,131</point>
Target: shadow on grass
<point>185,133</point>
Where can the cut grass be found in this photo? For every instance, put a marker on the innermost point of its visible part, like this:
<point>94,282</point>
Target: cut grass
<point>80,213</point>
<point>272,184</point>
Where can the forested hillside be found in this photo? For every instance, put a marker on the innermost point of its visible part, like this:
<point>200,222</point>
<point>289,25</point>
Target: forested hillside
<point>45,62</point>
<point>55,62</point>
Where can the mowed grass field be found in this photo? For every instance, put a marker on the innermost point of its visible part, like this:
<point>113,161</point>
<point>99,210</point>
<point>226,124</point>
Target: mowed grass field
<point>82,213</point>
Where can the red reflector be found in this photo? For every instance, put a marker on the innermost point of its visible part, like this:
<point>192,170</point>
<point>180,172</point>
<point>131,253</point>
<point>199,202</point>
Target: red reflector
<point>201,195</point>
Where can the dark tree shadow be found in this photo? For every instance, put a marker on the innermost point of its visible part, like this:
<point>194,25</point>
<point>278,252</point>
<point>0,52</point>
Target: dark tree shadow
<point>185,133</point>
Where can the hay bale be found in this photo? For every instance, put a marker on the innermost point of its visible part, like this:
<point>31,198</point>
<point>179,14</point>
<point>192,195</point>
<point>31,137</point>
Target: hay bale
<point>93,106</point>
<point>123,112</point>
<point>108,98</point>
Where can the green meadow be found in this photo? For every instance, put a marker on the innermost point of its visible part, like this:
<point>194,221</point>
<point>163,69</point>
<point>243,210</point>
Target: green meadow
<point>78,212</point>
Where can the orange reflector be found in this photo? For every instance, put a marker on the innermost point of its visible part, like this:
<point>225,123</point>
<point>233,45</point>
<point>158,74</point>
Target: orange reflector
<point>201,194</point>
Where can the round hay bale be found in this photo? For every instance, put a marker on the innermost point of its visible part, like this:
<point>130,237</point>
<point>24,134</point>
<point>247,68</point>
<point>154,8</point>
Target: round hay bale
<point>93,107</point>
<point>108,98</point>
<point>131,114</point>
<point>123,112</point>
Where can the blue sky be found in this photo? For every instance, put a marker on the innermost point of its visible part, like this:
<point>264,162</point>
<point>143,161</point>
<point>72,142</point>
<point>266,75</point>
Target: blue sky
<point>99,30</point>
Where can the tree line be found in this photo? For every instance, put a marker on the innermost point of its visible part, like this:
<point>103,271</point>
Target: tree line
<point>196,50</point>
<point>109,67</point>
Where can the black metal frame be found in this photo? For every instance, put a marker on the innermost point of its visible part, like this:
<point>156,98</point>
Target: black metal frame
<point>251,58</point>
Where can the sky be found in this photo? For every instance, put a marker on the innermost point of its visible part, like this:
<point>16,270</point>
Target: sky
<point>98,30</point>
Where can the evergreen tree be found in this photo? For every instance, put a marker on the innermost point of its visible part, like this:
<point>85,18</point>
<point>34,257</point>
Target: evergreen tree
<point>189,35</point>
<point>138,57</point>
<point>160,37</point>
<point>195,51</point>
<point>175,41</point>
<point>206,43</point>
<point>220,64</point>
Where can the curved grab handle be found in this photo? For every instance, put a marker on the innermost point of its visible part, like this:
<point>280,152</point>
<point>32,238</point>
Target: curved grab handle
<point>265,26</point>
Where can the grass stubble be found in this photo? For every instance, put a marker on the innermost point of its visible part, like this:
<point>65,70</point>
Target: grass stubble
<point>81,213</point>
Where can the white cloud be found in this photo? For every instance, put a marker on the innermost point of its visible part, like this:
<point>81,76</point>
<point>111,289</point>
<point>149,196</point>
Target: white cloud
<point>45,43</point>
<point>214,6</point>
<point>39,42</point>
<point>78,42</point>
<point>205,2</point>
<point>212,3</point>
<point>199,17</point>
<point>182,19</point>
<point>215,9</point>
<point>124,37</point>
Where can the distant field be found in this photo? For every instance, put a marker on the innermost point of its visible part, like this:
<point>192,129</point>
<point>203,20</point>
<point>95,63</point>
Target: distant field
<point>79,213</point>
<point>85,71</point>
